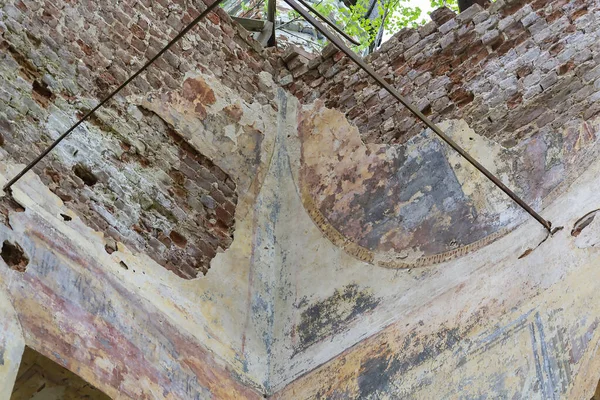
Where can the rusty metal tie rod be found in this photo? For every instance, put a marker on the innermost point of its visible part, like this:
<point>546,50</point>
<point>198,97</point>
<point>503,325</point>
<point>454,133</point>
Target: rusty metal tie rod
<point>111,95</point>
<point>353,56</point>
<point>390,89</point>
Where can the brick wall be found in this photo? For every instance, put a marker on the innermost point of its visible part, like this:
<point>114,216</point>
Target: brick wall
<point>126,172</point>
<point>514,71</point>
<point>511,71</point>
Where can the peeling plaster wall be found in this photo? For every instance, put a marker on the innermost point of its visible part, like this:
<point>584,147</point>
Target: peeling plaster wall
<point>495,326</point>
<point>153,176</point>
<point>126,331</point>
<point>372,207</point>
<point>524,76</point>
<point>125,171</point>
<point>354,269</point>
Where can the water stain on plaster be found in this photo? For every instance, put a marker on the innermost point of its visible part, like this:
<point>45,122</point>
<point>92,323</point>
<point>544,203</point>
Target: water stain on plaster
<point>331,315</point>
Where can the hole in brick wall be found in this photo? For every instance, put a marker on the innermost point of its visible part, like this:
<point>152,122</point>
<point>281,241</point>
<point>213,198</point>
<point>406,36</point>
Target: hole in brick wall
<point>85,174</point>
<point>9,204</point>
<point>28,70</point>
<point>123,265</point>
<point>110,246</point>
<point>497,44</point>
<point>427,110</point>
<point>178,239</point>
<point>66,217</point>
<point>14,256</point>
<point>52,174</point>
<point>42,94</point>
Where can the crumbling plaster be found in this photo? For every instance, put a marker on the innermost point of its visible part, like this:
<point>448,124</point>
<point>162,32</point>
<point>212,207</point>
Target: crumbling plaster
<point>300,305</point>
<point>507,327</point>
<point>285,265</point>
<point>208,309</point>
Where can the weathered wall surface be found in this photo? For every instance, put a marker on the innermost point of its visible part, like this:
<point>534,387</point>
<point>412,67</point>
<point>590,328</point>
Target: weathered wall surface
<point>512,71</point>
<point>304,213</point>
<point>170,192</point>
<point>491,325</point>
<point>114,319</point>
<point>405,205</point>
<point>526,79</point>
<point>126,172</point>
<point>409,202</point>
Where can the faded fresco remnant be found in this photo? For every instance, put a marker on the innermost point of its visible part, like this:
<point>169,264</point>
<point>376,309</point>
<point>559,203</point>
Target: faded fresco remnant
<point>327,316</point>
<point>246,223</point>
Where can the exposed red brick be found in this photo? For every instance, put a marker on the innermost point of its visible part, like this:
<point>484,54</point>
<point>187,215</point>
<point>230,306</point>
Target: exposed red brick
<point>579,13</point>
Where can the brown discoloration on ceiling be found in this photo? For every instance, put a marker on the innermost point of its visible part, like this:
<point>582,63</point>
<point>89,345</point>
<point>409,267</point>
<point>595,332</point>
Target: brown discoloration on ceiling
<point>196,90</point>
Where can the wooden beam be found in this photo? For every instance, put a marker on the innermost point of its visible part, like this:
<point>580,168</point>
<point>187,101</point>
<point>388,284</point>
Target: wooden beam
<point>252,25</point>
<point>271,12</point>
<point>265,35</point>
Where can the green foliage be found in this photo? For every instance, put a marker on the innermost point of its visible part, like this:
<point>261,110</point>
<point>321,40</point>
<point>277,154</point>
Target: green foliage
<point>451,4</point>
<point>391,16</point>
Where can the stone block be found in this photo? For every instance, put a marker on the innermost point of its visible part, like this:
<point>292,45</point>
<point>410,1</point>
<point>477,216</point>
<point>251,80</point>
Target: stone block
<point>469,13</point>
<point>297,62</point>
<point>592,75</point>
<point>448,40</point>
<point>490,37</point>
<point>506,22</point>
<point>486,25</point>
<point>442,15</point>
<point>448,26</point>
<point>329,51</point>
<point>427,29</point>
<point>411,40</point>
<point>549,80</point>
<point>481,17</point>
